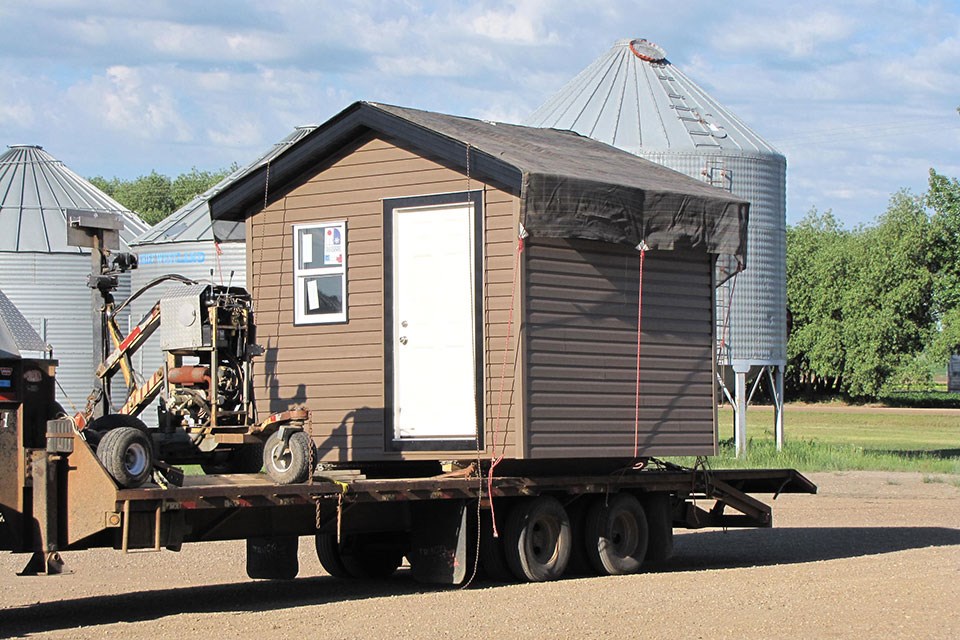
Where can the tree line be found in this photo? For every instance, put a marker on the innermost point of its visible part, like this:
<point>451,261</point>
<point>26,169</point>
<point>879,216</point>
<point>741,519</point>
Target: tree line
<point>155,196</point>
<point>876,308</point>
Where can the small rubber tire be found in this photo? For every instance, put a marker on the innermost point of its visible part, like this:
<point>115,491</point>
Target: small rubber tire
<point>247,458</point>
<point>492,556</point>
<point>616,534</point>
<point>538,540</point>
<point>291,466</point>
<point>328,552</point>
<point>127,455</point>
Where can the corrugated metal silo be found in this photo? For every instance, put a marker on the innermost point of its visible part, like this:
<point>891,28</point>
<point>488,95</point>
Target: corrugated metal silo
<point>633,98</point>
<point>183,244</point>
<point>43,276</point>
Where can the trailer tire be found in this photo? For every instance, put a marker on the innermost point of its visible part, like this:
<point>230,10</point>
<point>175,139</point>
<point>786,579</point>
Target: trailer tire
<point>291,466</point>
<point>328,552</point>
<point>616,534</point>
<point>492,556</point>
<point>366,556</point>
<point>127,455</point>
<point>538,540</point>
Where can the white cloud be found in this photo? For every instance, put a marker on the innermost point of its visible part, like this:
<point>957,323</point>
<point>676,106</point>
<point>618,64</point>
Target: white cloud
<point>795,36</point>
<point>125,88</point>
<point>133,102</point>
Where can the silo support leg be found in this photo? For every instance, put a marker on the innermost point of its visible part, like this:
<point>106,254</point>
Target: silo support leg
<point>740,414</point>
<point>776,383</point>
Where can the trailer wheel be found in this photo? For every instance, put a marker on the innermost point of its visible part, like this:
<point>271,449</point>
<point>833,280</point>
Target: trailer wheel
<point>288,464</point>
<point>492,556</point>
<point>616,534</point>
<point>538,539</point>
<point>127,455</point>
<point>328,552</point>
<point>369,556</point>
<point>361,555</point>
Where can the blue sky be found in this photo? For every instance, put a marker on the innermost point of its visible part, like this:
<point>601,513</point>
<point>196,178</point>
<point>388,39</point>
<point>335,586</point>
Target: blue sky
<point>860,96</point>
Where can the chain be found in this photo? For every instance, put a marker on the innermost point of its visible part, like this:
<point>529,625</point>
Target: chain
<point>266,186</point>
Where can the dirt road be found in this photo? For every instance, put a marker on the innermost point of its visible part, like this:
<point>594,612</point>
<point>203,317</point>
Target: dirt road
<point>875,554</point>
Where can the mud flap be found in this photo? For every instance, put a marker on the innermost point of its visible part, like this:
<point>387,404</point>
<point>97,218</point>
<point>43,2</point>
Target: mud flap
<point>273,558</point>
<point>438,541</point>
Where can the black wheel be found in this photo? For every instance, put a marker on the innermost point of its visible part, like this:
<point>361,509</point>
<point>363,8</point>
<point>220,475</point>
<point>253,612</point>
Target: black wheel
<point>370,555</point>
<point>492,556</point>
<point>537,540</point>
<point>328,552</point>
<point>127,455</point>
<point>247,458</point>
<point>290,464</point>
<point>616,534</point>
<point>359,555</point>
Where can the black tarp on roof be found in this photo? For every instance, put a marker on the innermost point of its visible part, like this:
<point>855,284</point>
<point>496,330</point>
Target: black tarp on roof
<point>569,186</point>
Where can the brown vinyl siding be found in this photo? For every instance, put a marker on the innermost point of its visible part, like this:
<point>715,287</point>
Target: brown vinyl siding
<point>337,370</point>
<point>581,342</point>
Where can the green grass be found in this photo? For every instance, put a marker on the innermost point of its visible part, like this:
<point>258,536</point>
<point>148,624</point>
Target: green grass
<point>834,437</point>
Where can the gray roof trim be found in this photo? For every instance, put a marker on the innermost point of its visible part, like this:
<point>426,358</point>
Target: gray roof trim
<point>235,202</point>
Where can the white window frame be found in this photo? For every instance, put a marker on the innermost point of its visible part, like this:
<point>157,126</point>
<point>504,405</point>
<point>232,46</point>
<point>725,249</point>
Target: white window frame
<point>300,274</point>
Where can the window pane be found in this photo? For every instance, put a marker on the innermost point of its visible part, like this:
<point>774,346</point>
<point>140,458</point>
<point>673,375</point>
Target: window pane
<point>321,247</point>
<point>322,294</point>
<point>311,248</point>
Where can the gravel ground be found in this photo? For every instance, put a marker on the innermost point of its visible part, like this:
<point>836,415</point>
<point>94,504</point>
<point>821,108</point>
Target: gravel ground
<point>873,553</point>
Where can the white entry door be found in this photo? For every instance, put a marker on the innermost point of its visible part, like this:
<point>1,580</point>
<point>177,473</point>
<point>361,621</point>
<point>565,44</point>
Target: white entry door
<point>433,323</point>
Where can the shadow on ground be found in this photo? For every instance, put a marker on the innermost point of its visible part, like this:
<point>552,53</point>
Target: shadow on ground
<point>693,552</point>
<point>763,547</point>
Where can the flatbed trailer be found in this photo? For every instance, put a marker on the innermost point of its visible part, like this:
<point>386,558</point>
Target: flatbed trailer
<point>364,526</point>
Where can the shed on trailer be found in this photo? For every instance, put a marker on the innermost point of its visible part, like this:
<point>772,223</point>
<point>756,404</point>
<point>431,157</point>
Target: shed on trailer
<point>395,300</point>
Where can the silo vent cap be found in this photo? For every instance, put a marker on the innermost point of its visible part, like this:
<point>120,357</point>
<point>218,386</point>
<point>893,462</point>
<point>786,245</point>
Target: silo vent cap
<point>647,51</point>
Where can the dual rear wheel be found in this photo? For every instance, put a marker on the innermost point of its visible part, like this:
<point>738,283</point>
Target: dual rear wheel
<point>540,538</point>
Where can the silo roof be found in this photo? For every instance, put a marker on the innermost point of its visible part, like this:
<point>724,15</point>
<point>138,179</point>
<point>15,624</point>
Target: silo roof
<point>633,98</point>
<point>191,222</point>
<point>16,333</point>
<point>36,189</point>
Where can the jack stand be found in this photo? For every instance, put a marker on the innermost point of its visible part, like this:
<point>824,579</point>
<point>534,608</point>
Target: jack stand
<point>48,563</point>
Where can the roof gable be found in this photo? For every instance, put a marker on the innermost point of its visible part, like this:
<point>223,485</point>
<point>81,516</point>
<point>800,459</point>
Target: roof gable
<point>569,186</point>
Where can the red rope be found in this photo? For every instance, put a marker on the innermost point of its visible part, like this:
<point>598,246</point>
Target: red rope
<point>636,420</point>
<point>216,246</point>
<point>495,459</point>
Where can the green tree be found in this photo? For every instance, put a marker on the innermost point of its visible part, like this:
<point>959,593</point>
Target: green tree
<point>943,199</point>
<point>817,262</point>
<point>149,195</point>
<point>155,196</point>
<point>188,185</point>
<point>887,299</point>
